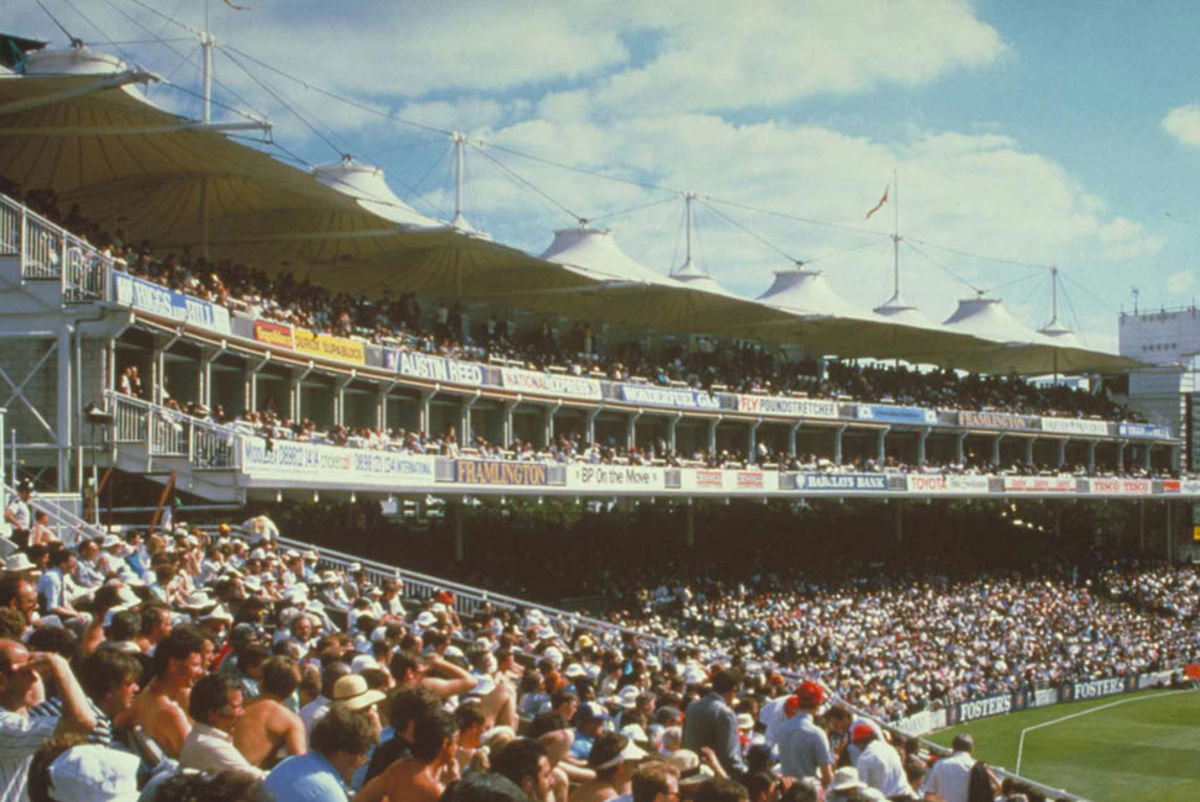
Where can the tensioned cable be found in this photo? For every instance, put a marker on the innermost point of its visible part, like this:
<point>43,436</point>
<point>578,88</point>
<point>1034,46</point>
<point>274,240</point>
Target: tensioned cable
<point>1015,262</point>
<point>525,182</point>
<point>761,240</point>
<point>70,37</point>
<point>1103,302</point>
<point>797,218</point>
<point>188,59</point>
<point>648,185</point>
<point>283,102</point>
<point>947,270</point>
<point>108,39</point>
<point>631,209</point>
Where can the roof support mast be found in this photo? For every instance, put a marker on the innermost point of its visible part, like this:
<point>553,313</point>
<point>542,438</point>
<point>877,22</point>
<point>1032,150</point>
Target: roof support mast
<point>896,237</point>
<point>688,197</point>
<point>459,142</point>
<point>206,47</point>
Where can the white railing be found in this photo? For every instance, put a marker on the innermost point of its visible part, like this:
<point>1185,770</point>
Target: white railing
<point>50,253</point>
<point>468,600</point>
<point>70,527</point>
<point>169,433</point>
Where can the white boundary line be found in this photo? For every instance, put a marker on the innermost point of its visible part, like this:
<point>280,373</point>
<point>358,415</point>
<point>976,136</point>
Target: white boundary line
<point>1060,719</point>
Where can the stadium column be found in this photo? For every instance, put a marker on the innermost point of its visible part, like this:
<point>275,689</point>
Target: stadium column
<point>207,357</point>
<point>631,429</point>
<point>959,452</point>
<point>996,448</point>
<point>381,406</point>
<point>752,441</point>
<point>296,392</point>
<point>426,404</point>
<point>1121,454</point>
<point>792,438</point>
<point>339,397</point>
<point>63,421</point>
<point>1091,464</point>
<point>838,433</point>
<point>465,431</point>
<point>250,389</point>
<point>881,445</point>
<point>691,523</point>
<point>1062,452</point>
<point>712,434</point>
<point>1170,533</point>
<point>1146,457</point>
<point>509,406</point>
<point>922,436</point>
<point>672,422</point>
<point>591,422</point>
<point>551,409</point>
<point>1029,441</point>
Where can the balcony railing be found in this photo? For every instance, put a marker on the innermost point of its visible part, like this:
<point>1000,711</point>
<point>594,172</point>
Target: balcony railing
<point>50,253</point>
<point>168,433</point>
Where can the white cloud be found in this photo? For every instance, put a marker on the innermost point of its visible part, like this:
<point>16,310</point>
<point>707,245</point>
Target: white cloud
<point>1183,124</point>
<point>764,54</point>
<point>1180,281</point>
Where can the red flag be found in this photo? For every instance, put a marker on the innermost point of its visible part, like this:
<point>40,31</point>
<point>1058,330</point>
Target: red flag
<point>879,205</point>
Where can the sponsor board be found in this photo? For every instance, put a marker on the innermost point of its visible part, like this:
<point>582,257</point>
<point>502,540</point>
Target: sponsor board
<point>887,413</point>
<point>1040,484</point>
<point>1171,486</point>
<point>152,299</point>
<point>497,472</point>
<point>996,420</point>
<point>1190,487</point>
<point>645,395</point>
<point>920,483</point>
<point>434,368</point>
<point>327,346</point>
<point>615,477</point>
<point>271,333</point>
<point>841,482</point>
<point>327,465</point>
<point>702,479</point>
<point>529,381</point>
<point>1144,430</point>
<point>1095,428</point>
<point>790,407</point>
<point>1119,487</point>
<point>1096,688</point>
<point>963,712</point>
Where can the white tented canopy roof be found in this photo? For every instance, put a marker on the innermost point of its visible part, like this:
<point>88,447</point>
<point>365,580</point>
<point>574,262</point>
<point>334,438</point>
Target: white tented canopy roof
<point>594,252</point>
<point>134,167</point>
<point>897,310</point>
<point>988,319</point>
<point>366,185</point>
<point>807,293</point>
<point>696,277</point>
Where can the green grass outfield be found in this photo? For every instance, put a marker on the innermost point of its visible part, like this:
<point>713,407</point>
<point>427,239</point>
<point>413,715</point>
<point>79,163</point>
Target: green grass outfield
<point>1147,747</point>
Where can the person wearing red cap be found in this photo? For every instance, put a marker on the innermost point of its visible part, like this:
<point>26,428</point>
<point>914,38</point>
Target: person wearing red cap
<point>803,746</point>
<point>879,764</point>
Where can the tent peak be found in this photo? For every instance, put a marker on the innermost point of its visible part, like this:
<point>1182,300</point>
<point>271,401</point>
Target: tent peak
<point>77,59</point>
<point>367,185</point>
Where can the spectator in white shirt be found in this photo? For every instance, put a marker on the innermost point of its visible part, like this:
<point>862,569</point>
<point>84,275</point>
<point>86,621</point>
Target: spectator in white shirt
<point>950,777</point>
<point>215,706</point>
<point>879,765</point>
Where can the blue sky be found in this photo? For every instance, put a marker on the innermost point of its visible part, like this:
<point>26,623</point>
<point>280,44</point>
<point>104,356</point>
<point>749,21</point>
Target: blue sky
<point>1045,133</point>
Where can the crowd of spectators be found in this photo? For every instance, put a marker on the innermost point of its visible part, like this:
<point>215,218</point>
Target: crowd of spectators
<point>1171,591</point>
<point>446,329</point>
<point>217,664</point>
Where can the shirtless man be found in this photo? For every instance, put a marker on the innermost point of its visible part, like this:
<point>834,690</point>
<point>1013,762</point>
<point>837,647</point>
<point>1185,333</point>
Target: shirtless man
<point>422,777</point>
<point>42,534</point>
<point>613,757</point>
<point>160,707</point>
<point>269,731</point>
